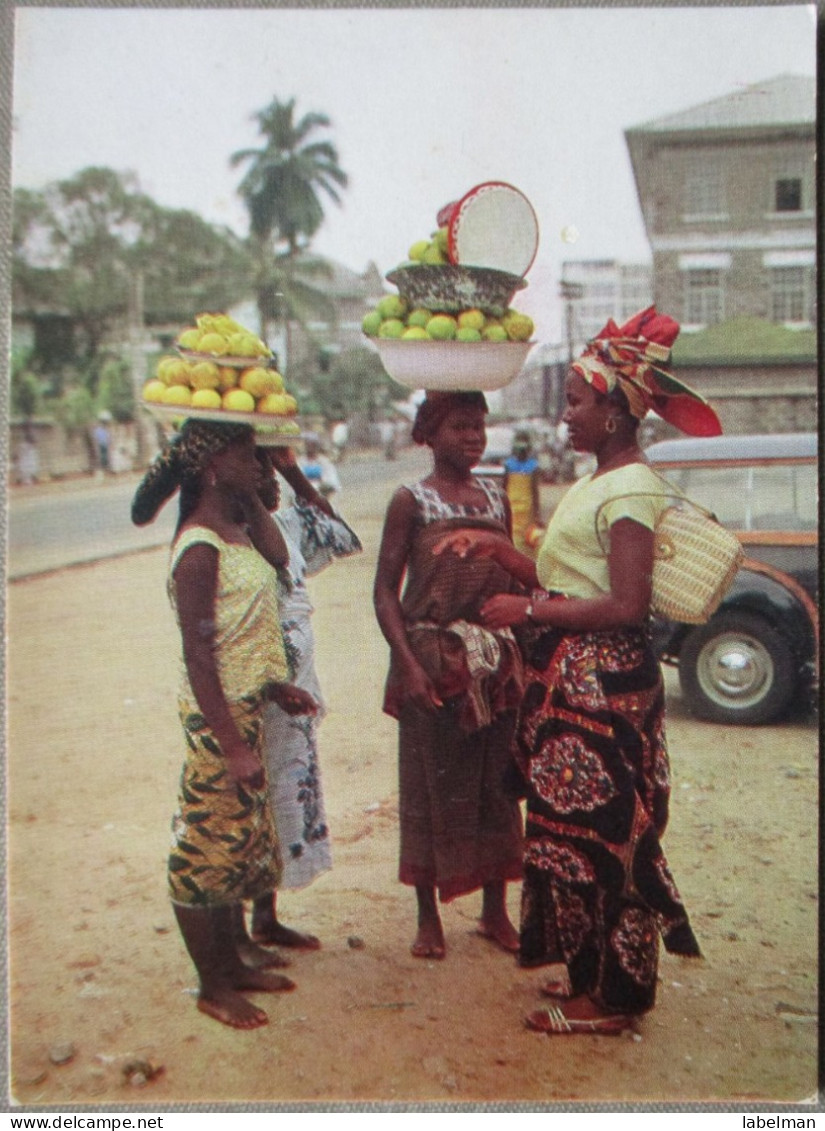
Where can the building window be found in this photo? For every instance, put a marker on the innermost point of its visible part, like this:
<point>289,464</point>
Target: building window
<point>788,194</point>
<point>791,294</point>
<point>704,193</point>
<point>704,297</point>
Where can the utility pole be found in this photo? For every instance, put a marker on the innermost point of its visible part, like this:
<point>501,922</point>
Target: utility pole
<point>138,364</point>
<point>570,293</point>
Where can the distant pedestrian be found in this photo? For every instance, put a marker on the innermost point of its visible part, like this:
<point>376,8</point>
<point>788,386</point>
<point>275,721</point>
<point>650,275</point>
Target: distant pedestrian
<point>521,482</point>
<point>103,441</point>
<point>340,438</point>
<point>28,458</point>
<point>318,468</point>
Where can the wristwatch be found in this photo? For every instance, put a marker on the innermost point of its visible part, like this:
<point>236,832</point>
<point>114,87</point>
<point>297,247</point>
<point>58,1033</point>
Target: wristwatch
<point>528,612</point>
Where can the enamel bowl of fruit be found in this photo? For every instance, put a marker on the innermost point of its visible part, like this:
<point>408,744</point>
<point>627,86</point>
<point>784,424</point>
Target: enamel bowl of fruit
<point>452,365</point>
<point>439,349</point>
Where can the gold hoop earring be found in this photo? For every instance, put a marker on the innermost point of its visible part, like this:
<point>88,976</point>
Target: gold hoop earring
<point>610,425</point>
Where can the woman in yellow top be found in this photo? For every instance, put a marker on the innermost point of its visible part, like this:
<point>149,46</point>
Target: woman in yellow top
<point>223,587</point>
<point>591,747</point>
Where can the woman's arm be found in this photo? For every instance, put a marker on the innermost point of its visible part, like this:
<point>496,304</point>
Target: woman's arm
<point>265,534</point>
<point>470,543</point>
<point>285,463</point>
<point>196,582</point>
<point>630,566</point>
<point>392,563</point>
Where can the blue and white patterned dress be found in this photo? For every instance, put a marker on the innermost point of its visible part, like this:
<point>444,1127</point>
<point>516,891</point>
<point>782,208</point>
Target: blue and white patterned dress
<point>291,741</point>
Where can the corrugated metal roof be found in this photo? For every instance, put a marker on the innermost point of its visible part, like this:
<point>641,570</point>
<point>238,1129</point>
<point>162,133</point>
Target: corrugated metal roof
<point>784,100</point>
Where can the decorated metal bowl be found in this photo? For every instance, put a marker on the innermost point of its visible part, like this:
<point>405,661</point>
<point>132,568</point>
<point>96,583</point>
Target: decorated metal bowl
<point>452,365</point>
<point>449,287</point>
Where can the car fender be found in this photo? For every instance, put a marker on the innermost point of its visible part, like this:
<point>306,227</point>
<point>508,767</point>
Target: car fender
<point>767,592</point>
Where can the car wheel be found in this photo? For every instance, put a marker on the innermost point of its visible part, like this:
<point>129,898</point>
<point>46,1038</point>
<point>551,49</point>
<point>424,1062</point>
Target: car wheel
<point>736,669</point>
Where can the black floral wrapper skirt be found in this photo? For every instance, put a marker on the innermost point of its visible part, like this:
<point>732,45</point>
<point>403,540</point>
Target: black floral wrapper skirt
<point>597,890</point>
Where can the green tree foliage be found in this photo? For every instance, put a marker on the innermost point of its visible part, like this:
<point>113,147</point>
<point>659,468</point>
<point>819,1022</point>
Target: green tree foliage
<point>116,390</point>
<point>354,382</point>
<point>285,176</point>
<point>79,247</point>
<point>281,190</point>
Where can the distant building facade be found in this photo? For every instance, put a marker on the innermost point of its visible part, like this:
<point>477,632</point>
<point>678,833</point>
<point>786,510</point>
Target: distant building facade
<point>727,193</point>
<point>604,288</point>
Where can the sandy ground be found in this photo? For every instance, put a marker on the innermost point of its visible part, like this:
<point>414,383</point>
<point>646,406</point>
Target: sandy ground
<point>99,978</point>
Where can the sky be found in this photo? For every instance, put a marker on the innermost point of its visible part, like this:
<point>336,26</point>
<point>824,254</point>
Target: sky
<point>424,104</point>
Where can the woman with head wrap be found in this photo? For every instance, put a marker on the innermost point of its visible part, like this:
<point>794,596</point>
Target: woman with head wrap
<point>222,585</point>
<point>453,686</point>
<point>590,743</point>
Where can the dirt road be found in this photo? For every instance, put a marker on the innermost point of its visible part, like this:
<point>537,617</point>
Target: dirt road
<point>99,978</point>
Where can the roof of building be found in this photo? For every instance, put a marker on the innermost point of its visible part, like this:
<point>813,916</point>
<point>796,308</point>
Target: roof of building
<point>343,282</point>
<point>781,101</point>
<point>744,340</point>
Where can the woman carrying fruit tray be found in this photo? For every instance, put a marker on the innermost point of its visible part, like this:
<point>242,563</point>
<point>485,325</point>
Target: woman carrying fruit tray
<point>452,687</point>
<point>222,584</point>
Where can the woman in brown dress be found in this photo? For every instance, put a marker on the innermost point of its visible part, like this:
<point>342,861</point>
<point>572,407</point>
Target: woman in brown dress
<point>452,685</point>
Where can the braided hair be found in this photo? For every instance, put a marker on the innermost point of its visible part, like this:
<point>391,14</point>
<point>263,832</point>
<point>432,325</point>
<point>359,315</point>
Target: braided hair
<point>179,468</point>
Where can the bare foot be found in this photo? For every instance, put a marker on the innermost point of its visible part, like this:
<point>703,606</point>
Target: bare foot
<point>501,932</point>
<point>276,934</point>
<point>248,978</point>
<point>230,1008</point>
<point>429,942</point>
<point>258,957</point>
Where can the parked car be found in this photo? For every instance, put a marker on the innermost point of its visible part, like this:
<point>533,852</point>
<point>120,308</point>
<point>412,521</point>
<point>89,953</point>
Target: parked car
<point>758,654</point>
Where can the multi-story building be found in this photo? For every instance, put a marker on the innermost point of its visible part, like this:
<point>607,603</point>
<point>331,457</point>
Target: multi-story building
<point>727,193</point>
<point>602,289</point>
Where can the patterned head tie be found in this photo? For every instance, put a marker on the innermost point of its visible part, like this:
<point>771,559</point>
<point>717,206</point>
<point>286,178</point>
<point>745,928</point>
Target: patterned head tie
<point>631,357</point>
<point>182,463</point>
<point>433,411</point>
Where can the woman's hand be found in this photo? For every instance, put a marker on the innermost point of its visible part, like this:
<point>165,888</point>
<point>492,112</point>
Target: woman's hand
<point>294,700</point>
<point>504,611</point>
<point>282,459</point>
<point>470,544</point>
<point>244,766</point>
<point>418,687</point>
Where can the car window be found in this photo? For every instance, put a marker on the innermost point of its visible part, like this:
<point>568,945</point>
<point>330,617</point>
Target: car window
<point>769,497</point>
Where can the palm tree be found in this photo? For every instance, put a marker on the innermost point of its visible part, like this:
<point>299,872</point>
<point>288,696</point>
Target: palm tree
<point>281,190</point>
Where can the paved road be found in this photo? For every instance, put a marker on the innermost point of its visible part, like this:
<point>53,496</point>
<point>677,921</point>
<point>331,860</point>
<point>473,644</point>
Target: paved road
<point>64,524</point>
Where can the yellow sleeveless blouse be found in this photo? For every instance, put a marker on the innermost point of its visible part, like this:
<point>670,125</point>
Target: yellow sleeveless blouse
<point>249,645</point>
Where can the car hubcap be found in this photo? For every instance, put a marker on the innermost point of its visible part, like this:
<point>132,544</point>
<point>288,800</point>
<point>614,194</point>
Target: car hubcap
<point>735,670</point>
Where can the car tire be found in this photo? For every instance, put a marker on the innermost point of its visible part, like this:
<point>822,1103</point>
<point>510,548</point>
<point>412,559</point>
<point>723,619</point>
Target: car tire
<point>737,669</point>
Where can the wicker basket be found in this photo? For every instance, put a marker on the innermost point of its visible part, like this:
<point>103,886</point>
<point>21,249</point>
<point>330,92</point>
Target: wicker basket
<point>695,560</point>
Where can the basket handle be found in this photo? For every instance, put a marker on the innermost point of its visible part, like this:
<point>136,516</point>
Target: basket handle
<point>675,491</point>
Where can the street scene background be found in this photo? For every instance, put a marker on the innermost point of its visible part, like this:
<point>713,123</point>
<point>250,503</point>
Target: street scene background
<point>102,1008</point>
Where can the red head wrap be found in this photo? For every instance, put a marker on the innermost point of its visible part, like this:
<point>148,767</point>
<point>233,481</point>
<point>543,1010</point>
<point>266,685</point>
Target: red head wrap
<point>631,358</point>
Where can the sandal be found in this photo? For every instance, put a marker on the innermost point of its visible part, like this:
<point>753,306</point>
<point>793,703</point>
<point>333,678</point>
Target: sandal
<point>557,987</point>
<point>554,1021</point>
